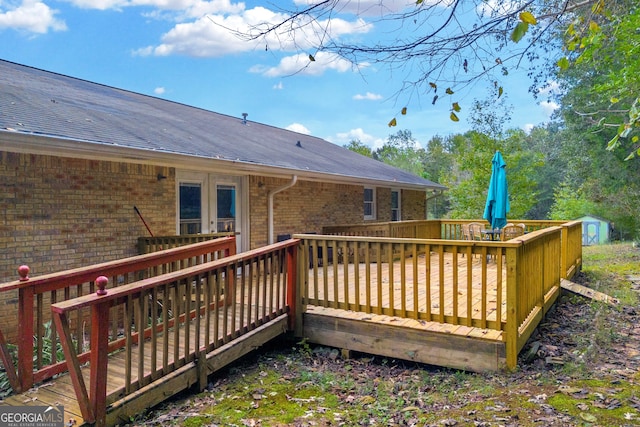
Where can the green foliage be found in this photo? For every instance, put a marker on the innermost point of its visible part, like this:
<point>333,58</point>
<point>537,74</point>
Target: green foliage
<point>404,152</point>
<point>602,70</point>
<point>570,204</point>
<point>468,180</point>
<point>360,148</point>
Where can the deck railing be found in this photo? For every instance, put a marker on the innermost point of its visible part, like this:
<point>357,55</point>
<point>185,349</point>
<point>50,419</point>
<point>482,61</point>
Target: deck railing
<point>199,309</point>
<point>421,229</point>
<point>37,294</point>
<point>159,243</point>
<point>449,229</point>
<point>346,273</point>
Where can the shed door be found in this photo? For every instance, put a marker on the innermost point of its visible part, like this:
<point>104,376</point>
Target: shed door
<point>590,233</point>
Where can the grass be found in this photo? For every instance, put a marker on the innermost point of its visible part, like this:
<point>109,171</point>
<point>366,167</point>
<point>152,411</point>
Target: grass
<point>315,386</point>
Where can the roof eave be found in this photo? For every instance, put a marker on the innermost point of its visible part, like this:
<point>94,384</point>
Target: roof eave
<point>30,143</point>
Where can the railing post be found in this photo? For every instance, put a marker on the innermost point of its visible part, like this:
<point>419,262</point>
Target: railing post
<point>99,356</point>
<point>25,337</point>
<point>564,251</point>
<point>511,328</point>
<point>292,277</point>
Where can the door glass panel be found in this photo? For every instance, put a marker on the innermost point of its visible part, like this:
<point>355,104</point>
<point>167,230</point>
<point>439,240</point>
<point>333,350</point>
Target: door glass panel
<point>190,208</point>
<point>226,208</point>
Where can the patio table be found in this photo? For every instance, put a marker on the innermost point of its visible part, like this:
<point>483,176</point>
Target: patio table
<point>491,234</point>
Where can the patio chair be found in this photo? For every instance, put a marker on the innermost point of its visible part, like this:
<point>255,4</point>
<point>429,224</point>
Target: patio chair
<point>511,231</point>
<point>465,234</point>
<point>475,231</point>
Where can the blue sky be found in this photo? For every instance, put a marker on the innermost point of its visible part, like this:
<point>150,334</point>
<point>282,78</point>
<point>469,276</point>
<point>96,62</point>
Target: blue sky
<point>180,50</point>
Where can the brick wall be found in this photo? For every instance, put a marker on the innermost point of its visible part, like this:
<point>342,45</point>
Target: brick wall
<point>308,206</point>
<point>59,213</point>
<point>413,205</point>
<point>305,207</point>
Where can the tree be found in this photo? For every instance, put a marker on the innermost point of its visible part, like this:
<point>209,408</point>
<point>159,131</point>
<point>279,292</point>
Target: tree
<point>436,47</point>
<point>469,178</point>
<point>359,147</point>
<point>601,73</point>
<point>404,152</point>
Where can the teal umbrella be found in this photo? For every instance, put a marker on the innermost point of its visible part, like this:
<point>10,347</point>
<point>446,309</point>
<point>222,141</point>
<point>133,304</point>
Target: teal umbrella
<point>497,207</point>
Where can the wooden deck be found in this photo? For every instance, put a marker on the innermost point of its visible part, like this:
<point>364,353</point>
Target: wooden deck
<point>416,339</point>
<point>460,304</point>
<point>60,390</point>
<point>413,333</point>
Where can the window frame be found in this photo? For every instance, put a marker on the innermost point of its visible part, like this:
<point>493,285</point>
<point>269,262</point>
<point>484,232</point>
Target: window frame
<point>372,202</point>
<point>399,208</point>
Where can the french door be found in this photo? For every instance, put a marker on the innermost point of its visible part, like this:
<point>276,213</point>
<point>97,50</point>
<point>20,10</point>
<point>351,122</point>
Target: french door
<point>209,203</point>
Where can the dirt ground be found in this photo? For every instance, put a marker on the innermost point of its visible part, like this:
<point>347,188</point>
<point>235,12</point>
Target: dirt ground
<point>581,368</point>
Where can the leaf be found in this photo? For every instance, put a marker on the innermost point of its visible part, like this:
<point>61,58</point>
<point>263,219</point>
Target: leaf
<point>311,58</point>
<point>613,143</point>
<point>528,18</point>
<point>500,91</point>
<point>594,27</point>
<point>433,85</point>
<point>392,122</point>
<point>563,63</point>
<point>456,107</point>
<point>588,417</point>
<point>449,91</point>
<point>367,400</point>
<point>404,111</point>
<point>453,117</point>
<point>419,1</point>
<point>435,98</point>
<point>614,100</point>
<point>519,31</point>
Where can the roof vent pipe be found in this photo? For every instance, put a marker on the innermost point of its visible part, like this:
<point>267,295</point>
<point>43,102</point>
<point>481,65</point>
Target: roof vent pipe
<point>244,118</point>
<point>272,193</point>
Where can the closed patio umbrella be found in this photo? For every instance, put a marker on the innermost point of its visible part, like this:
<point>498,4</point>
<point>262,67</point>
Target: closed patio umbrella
<point>497,206</point>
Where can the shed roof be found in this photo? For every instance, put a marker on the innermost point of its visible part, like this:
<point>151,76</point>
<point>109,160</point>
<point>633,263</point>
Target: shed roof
<point>61,111</point>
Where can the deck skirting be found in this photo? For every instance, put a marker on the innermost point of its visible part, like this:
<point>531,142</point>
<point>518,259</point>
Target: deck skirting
<point>453,346</point>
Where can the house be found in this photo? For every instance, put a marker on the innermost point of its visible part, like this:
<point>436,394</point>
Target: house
<point>595,230</point>
<point>85,169</point>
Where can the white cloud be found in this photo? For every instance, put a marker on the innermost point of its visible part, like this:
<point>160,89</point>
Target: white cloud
<point>297,127</point>
<point>301,64</point>
<point>549,107</point>
<point>550,88</point>
<point>528,127</point>
<point>189,8</point>
<point>159,90</point>
<point>278,86</point>
<point>357,134</point>
<point>31,16</point>
<point>369,7</point>
<point>227,29</point>
<point>367,96</point>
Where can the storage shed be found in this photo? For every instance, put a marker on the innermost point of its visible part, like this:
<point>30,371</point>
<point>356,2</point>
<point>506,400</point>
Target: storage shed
<point>595,230</point>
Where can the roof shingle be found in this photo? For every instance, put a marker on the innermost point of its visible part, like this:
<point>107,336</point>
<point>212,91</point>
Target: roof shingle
<point>42,103</point>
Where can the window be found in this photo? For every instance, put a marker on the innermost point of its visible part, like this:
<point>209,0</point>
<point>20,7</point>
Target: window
<point>369,203</point>
<point>395,205</point>
<point>190,208</point>
<point>226,207</point>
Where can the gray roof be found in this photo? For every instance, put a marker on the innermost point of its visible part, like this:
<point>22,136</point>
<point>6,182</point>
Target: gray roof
<point>50,105</point>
